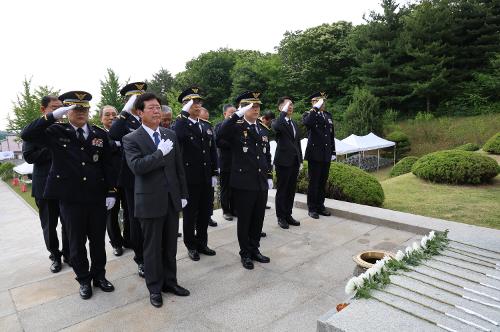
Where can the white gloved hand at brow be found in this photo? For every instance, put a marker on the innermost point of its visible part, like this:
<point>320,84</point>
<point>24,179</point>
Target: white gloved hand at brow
<point>242,110</point>
<point>61,111</point>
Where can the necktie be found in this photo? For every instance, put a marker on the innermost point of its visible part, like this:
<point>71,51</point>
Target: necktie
<point>254,128</point>
<point>291,126</point>
<point>156,137</point>
<point>80,137</point>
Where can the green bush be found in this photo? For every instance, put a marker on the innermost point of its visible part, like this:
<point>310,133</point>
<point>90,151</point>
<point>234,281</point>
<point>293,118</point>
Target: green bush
<point>402,144</point>
<point>6,171</point>
<point>456,167</point>
<point>347,183</point>
<point>403,166</point>
<point>493,144</point>
<point>468,147</point>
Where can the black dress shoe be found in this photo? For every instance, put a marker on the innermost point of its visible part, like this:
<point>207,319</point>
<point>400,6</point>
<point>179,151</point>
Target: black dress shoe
<point>177,290</point>
<point>247,263</point>
<point>117,251</point>
<point>85,291</point>
<point>263,234</point>
<point>283,223</point>
<point>206,251</point>
<point>267,207</point>
<point>104,285</point>
<point>193,254</point>
<point>156,300</point>
<point>292,221</point>
<point>325,213</point>
<point>212,223</point>
<point>313,214</point>
<point>179,234</point>
<point>56,266</point>
<point>260,258</point>
<point>227,216</point>
<point>127,245</point>
<point>140,270</point>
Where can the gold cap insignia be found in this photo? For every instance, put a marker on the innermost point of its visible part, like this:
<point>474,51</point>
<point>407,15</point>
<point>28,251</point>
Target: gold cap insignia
<point>256,94</point>
<point>80,96</point>
<point>195,90</point>
<point>139,86</point>
<point>323,94</point>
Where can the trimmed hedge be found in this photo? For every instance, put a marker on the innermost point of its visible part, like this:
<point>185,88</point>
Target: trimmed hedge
<point>402,143</point>
<point>403,166</point>
<point>468,147</point>
<point>493,144</point>
<point>347,183</point>
<point>6,170</point>
<point>456,167</point>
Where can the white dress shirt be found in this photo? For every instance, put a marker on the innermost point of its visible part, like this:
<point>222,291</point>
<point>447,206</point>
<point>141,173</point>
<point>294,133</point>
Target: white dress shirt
<point>151,132</point>
<point>85,130</point>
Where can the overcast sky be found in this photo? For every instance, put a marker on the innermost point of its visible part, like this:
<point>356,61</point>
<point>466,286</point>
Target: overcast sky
<point>69,44</point>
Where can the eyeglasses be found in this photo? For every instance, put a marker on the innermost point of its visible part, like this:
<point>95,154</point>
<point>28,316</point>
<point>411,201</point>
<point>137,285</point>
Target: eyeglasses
<point>153,108</point>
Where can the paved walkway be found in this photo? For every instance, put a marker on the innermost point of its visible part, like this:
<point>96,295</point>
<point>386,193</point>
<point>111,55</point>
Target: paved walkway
<point>309,267</point>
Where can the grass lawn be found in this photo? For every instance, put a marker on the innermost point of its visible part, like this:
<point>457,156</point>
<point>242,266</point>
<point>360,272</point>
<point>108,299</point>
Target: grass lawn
<point>26,196</point>
<point>476,205</point>
<point>382,174</point>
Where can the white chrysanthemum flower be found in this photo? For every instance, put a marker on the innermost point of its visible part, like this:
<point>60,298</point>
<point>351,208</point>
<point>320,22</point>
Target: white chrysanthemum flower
<point>432,235</point>
<point>350,287</point>
<point>359,281</point>
<point>423,242</point>
<point>400,255</point>
<point>409,250</point>
<point>416,246</point>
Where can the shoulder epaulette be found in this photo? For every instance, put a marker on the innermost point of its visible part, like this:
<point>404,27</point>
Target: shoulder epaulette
<point>240,121</point>
<point>210,123</point>
<point>99,127</point>
<point>263,125</point>
<point>121,116</point>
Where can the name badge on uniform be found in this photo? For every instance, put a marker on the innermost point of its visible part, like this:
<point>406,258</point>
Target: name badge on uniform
<point>264,150</point>
<point>265,139</point>
<point>209,132</point>
<point>245,149</point>
<point>95,157</point>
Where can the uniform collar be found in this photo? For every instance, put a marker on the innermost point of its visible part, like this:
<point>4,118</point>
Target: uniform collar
<point>85,128</point>
<point>150,131</point>
<point>193,120</point>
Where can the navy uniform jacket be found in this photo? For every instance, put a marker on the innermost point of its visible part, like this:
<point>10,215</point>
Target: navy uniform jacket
<point>116,152</point>
<point>124,124</point>
<point>267,134</point>
<point>288,150</point>
<point>250,165</point>
<point>224,151</point>
<point>79,172</point>
<point>198,149</point>
<point>321,136</point>
<point>37,154</point>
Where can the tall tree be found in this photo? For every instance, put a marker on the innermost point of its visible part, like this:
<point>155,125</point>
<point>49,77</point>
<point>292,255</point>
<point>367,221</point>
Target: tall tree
<point>161,84</point>
<point>110,91</point>
<point>26,108</point>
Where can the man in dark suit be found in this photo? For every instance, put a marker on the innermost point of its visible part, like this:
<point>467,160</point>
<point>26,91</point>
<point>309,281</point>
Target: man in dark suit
<point>154,156</point>
<point>224,155</point>
<point>48,209</point>
<point>82,179</point>
<point>127,122</point>
<point>204,116</point>
<point>319,152</point>
<point>107,114</point>
<point>287,161</point>
<point>200,164</point>
<point>251,174</point>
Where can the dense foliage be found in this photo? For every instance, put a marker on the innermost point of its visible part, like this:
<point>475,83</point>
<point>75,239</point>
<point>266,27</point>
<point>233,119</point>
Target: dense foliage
<point>493,144</point>
<point>403,166</point>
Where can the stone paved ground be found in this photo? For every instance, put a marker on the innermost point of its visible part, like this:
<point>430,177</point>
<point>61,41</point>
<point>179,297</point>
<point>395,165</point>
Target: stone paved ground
<point>309,267</point>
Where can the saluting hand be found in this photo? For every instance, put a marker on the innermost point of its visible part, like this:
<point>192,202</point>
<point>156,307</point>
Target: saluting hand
<point>242,110</point>
<point>214,181</point>
<point>188,105</point>
<point>130,104</point>
<point>285,107</point>
<point>165,146</point>
<point>61,111</point>
<point>184,202</point>
<point>110,202</point>
<point>318,104</point>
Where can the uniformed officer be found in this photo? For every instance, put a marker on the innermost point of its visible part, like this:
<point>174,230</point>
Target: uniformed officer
<point>287,161</point>
<point>48,209</point>
<point>81,178</point>
<point>319,152</point>
<point>200,165</point>
<point>251,174</point>
<point>127,122</point>
<point>265,122</point>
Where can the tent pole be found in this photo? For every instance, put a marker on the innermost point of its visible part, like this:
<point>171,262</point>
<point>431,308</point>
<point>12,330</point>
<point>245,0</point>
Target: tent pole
<point>394,161</point>
<point>378,159</point>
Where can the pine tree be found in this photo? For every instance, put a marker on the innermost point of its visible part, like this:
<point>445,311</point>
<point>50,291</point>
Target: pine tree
<point>110,91</point>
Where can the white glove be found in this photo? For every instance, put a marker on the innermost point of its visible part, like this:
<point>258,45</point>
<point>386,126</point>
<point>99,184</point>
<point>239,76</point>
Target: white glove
<point>188,105</point>
<point>285,107</point>
<point>214,181</point>
<point>318,104</point>
<point>270,183</point>
<point>301,167</point>
<point>118,143</point>
<point>61,111</point>
<point>184,202</point>
<point>110,202</point>
<point>242,110</point>
<point>334,157</point>
<point>130,104</point>
<point>165,146</point>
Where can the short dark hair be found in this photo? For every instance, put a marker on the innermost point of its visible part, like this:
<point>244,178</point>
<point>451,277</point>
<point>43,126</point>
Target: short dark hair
<point>282,99</point>
<point>139,102</point>
<point>269,115</point>
<point>47,99</point>
<point>226,106</point>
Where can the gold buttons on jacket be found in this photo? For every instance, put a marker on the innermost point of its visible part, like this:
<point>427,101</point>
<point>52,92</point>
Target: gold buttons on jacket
<point>84,179</point>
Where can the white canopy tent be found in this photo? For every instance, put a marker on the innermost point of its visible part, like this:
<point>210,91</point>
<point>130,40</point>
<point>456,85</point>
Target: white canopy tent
<point>370,142</point>
<point>24,169</point>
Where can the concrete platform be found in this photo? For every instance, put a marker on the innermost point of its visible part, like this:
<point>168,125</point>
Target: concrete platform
<point>309,267</point>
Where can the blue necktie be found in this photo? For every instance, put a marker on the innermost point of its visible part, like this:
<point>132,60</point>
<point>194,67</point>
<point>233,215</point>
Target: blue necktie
<point>156,137</point>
